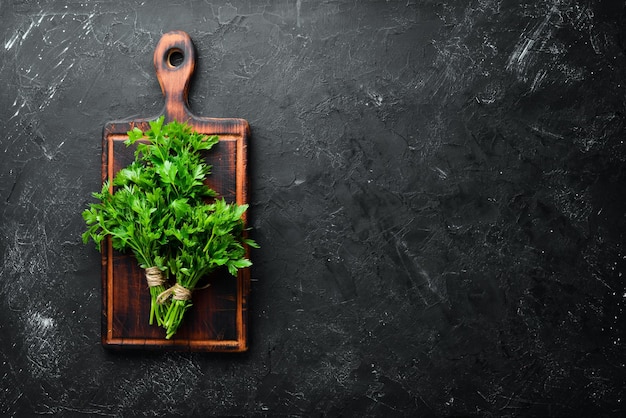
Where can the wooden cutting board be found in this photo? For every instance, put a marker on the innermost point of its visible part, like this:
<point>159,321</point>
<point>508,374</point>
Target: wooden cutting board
<point>218,319</point>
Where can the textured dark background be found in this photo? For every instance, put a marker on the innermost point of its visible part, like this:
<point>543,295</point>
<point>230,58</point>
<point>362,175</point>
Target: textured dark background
<point>437,186</point>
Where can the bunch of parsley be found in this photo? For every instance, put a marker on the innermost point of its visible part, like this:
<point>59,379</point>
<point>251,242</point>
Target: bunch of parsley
<point>209,237</point>
<point>159,210</point>
<point>134,217</point>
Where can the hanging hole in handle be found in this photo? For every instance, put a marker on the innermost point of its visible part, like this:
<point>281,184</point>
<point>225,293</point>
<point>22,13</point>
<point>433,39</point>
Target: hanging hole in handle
<point>175,57</point>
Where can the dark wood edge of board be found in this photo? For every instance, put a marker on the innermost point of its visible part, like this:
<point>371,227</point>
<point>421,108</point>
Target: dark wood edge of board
<point>217,126</point>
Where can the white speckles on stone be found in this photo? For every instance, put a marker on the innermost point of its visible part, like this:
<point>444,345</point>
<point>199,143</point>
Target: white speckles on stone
<point>43,343</point>
<point>226,13</point>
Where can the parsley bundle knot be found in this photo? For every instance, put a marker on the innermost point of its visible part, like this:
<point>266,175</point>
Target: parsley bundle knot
<point>177,292</point>
<point>154,277</point>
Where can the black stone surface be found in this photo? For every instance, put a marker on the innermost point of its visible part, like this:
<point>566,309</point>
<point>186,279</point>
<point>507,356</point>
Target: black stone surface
<point>437,186</point>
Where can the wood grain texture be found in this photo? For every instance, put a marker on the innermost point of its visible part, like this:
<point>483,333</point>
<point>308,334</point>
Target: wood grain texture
<point>218,318</point>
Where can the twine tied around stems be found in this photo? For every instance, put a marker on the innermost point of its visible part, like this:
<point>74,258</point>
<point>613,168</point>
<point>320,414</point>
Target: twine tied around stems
<point>177,292</point>
<point>154,277</point>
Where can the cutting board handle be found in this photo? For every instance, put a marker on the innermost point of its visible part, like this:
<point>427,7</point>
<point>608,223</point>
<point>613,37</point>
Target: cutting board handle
<point>174,62</point>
